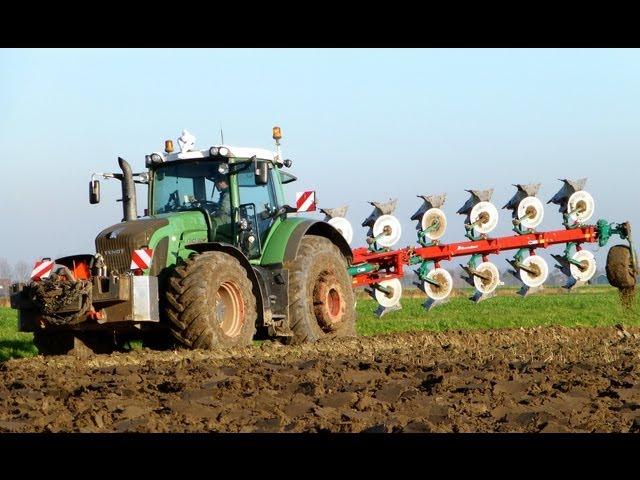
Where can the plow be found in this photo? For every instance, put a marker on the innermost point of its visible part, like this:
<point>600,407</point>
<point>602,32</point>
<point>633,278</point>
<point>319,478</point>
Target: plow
<point>218,260</point>
<point>379,268</point>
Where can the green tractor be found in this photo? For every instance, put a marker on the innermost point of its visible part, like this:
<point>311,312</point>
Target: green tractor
<point>217,261</point>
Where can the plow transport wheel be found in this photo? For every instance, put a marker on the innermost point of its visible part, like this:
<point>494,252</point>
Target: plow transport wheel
<point>619,267</point>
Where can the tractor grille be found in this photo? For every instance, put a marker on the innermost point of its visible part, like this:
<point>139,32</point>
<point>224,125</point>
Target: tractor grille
<point>117,242</point>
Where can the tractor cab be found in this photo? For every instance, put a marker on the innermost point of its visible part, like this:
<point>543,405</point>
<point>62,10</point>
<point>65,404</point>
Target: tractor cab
<point>239,201</point>
<point>237,189</point>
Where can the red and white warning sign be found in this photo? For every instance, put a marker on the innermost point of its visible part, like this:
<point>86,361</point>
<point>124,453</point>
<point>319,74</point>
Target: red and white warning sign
<point>306,201</point>
<point>141,259</point>
<point>41,270</point>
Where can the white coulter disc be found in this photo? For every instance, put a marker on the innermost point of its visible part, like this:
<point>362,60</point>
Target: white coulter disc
<point>532,209</point>
<point>489,285</point>
<point>393,225</point>
<point>583,201</point>
<point>488,210</point>
<point>586,258</point>
<point>428,219</point>
<point>534,280</point>
<point>443,277</point>
<point>343,226</point>
<point>393,300</point>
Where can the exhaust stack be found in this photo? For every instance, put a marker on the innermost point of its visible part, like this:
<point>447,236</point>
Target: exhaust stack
<point>129,204</point>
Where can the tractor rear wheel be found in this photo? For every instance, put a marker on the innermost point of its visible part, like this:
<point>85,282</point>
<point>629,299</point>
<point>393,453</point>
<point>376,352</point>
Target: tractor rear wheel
<point>210,302</point>
<point>321,298</point>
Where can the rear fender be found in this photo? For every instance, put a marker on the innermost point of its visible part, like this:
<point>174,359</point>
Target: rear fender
<point>284,244</point>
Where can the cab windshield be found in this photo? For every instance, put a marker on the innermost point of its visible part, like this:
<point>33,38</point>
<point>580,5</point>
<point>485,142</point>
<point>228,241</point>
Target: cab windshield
<point>187,185</point>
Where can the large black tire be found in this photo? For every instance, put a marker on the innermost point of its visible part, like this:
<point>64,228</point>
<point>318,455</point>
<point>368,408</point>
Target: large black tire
<point>321,298</point>
<point>619,267</point>
<point>80,344</point>
<point>210,303</point>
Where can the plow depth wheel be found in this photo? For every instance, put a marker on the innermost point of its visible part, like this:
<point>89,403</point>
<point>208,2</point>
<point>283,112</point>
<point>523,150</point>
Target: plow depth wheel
<point>321,299</point>
<point>210,302</point>
<point>619,267</point>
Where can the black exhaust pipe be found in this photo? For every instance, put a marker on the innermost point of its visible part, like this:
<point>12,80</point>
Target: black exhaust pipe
<point>129,205</point>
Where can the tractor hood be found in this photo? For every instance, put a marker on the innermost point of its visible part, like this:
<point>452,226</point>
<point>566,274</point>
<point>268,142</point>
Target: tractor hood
<point>116,243</point>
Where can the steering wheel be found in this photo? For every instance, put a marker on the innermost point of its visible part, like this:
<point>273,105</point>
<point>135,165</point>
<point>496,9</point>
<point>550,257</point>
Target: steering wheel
<point>208,204</point>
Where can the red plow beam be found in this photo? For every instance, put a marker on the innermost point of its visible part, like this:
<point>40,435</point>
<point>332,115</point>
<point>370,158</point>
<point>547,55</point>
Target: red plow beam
<point>391,264</point>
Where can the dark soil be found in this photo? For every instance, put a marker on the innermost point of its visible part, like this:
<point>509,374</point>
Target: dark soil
<point>535,380</point>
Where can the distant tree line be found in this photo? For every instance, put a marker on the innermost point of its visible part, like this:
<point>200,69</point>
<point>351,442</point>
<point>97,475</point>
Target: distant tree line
<point>18,272</point>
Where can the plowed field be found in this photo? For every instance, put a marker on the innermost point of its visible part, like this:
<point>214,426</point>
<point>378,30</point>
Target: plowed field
<point>546,379</point>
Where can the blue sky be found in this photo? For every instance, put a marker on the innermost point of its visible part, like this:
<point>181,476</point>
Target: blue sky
<point>359,125</point>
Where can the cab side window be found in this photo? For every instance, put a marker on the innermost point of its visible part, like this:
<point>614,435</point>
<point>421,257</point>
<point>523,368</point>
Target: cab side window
<point>262,196</point>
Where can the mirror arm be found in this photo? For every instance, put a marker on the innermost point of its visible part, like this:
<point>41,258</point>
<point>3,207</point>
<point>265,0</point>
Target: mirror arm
<point>107,176</point>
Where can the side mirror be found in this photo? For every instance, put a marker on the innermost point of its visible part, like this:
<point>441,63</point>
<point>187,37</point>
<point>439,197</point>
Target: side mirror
<point>94,192</point>
<point>262,173</point>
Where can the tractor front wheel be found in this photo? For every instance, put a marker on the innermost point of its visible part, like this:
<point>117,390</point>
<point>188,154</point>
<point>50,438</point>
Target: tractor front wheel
<point>210,302</point>
<point>321,298</point>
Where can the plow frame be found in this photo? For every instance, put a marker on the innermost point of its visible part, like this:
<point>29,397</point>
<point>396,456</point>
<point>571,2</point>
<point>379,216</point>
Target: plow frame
<point>390,264</point>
